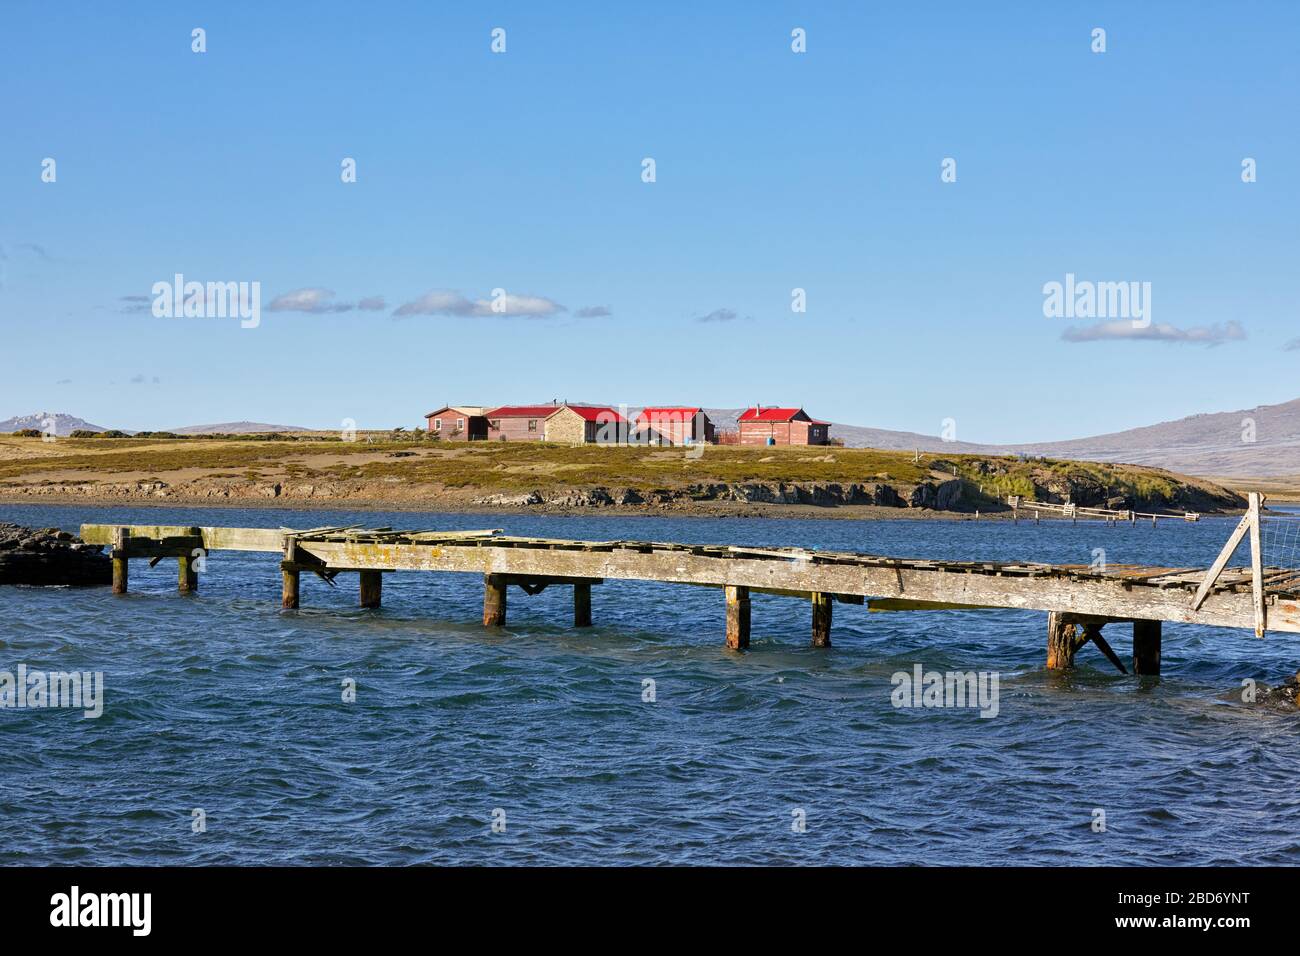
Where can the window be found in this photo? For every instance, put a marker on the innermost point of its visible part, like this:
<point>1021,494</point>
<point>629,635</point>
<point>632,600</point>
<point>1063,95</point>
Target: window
<point>532,424</point>
<point>495,424</point>
<point>460,424</point>
<point>437,424</point>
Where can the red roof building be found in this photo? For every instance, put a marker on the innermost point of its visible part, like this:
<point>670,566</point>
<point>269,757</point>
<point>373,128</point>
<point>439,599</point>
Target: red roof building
<point>562,423</point>
<point>761,425</point>
<point>674,425</point>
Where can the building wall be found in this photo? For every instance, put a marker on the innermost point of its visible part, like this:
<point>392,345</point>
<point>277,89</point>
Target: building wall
<point>516,429</point>
<point>473,428</point>
<point>797,432</point>
<point>757,433</point>
<point>566,425</point>
<point>672,431</point>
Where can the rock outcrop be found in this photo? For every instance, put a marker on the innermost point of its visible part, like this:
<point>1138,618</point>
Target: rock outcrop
<point>50,557</point>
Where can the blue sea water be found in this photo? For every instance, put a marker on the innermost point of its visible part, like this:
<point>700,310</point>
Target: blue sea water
<point>223,702</point>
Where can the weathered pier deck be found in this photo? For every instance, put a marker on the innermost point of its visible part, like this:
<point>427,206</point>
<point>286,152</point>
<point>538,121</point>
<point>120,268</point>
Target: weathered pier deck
<point>1080,599</point>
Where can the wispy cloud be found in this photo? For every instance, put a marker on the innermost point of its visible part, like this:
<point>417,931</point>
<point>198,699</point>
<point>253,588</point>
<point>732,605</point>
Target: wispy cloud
<point>371,303</point>
<point>446,303</point>
<point>135,303</point>
<point>141,380</point>
<point>1292,346</point>
<point>1210,335</point>
<point>314,300</point>
<point>594,312</point>
<point>719,315</point>
<point>39,251</point>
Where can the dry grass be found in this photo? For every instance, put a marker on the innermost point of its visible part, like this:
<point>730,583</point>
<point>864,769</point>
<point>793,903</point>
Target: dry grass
<point>522,466</point>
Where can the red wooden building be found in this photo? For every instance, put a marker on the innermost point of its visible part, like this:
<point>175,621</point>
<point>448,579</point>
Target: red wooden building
<point>458,423</point>
<point>781,426</point>
<point>674,425</point>
<point>560,423</point>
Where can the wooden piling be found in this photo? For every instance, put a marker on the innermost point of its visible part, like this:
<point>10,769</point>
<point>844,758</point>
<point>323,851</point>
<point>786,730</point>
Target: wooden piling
<point>494,600</point>
<point>372,588</point>
<point>582,604</point>
<point>1146,647</point>
<point>737,617</point>
<point>187,579</point>
<point>118,553</point>
<point>1063,640</point>
<point>821,619</point>
<point>289,589</point>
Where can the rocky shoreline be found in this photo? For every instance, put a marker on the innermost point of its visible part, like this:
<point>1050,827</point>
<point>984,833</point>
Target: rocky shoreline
<point>951,498</point>
<point>50,557</point>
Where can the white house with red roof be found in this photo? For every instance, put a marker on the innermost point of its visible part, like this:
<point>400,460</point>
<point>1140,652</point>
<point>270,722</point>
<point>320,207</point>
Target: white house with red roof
<point>762,425</point>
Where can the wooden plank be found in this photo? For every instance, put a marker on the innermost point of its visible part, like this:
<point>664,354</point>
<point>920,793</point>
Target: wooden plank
<point>1094,595</point>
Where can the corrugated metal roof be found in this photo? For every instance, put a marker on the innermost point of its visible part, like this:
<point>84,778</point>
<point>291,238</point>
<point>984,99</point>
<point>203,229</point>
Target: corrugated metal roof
<point>591,413</point>
<point>595,413</point>
<point>667,411</point>
<point>523,411</point>
<point>769,414</point>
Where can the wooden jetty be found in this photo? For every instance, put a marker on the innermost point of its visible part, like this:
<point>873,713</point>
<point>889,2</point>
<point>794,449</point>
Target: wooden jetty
<point>1080,599</point>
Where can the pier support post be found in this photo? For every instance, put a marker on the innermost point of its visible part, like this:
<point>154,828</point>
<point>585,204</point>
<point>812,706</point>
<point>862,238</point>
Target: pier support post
<point>582,604</point>
<point>187,579</point>
<point>118,554</point>
<point>1146,647</point>
<point>737,617</point>
<point>494,600</point>
<point>821,619</point>
<point>1063,640</point>
<point>372,588</point>
<point>289,590</point>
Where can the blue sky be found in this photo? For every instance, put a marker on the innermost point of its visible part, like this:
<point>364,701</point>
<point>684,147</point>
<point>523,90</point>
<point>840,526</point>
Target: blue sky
<point>774,170</point>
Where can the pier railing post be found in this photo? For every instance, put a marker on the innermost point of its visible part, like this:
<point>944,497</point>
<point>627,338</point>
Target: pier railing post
<point>372,588</point>
<point>582,604</point>
<point>1146,647</point>
<point>821,619</point>
<point>118,554</point>
<point>494,600</point>
<point>1258,598</point>
<point>737,617</point>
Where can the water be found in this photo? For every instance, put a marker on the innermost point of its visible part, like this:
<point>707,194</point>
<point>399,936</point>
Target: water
<point>223,702</point>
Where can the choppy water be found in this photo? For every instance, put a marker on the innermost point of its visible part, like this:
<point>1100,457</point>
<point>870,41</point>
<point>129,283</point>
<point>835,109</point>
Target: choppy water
<point>222,701</point>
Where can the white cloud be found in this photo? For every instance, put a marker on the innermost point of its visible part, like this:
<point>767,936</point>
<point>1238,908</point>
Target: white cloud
<point>1215,334</point>
<point>442,302</point>
<point>314,300</point>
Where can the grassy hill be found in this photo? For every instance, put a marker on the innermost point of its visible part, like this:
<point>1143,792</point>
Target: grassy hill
<point>411,467</point>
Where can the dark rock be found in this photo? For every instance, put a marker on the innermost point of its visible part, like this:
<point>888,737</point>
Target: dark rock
<point>948,495</point>
<point>50,557</point>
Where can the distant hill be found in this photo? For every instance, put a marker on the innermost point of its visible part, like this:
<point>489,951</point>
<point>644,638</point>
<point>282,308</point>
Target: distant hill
<point>235,428</point>
<point>1206,444</point>
<point>64,425</point>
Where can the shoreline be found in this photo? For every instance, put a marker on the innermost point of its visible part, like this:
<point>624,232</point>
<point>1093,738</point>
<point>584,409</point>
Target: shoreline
<point>717,509</point>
